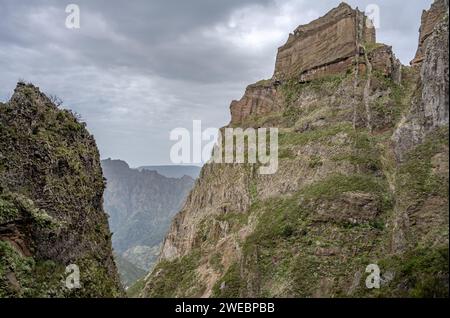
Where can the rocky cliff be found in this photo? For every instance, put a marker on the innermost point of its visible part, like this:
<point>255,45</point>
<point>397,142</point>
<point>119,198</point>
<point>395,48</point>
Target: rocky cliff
<point>355,185</point>
<point>339,42</point>
<point>429,20</point>
<point>325,46</point>
<point>51,212</point>
<point>141,205</point>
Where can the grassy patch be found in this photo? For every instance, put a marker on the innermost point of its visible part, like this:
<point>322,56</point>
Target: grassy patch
<point>364,151</point>
<point>8,210</point>
<point>314,162</point>
<point>416,174</point>
<point>317,135</point>
<point>370,47</point>
<point>280,255</point>
<point>32,278</point>
<point>177,278</point>
<point>229,285</point>
<point>12,263</point>
<point>388,109</point>
<point>216,262</point>
<point>337,184</point>
<point>292,90</point>
<point>134,290</point>
<point>419,273</point>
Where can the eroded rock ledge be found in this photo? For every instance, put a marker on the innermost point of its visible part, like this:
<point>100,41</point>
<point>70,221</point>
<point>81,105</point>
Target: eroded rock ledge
<point>332,45</point>
<point>324,46</point>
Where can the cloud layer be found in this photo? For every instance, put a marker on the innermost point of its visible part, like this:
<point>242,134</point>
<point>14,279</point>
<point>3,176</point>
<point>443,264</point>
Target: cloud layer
<point>137,69</point>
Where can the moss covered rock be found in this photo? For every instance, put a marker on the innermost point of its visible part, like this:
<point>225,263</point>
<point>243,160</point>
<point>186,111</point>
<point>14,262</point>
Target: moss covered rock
<point>51,212</point>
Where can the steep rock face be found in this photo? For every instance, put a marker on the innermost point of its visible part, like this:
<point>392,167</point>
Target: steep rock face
<point>325,46</point>
<point>259,99</point>
<point>51,212</point>
<point>201,203</point>
<point>141,205</point>
<point>430,106</point>
<point>332,45</point>
<point>384,61</point>
<point>429,20</point>
<point>414,148</point>
<point>340,200</point>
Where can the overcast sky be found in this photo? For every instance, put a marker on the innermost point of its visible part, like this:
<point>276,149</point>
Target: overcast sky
<point>137,69</point>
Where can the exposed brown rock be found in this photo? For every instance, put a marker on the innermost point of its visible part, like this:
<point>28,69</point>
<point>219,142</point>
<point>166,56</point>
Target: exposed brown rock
<point>429,20</point>
<point>257,100</point>
<point>324,46</point>
<point>330,45</point>
<point>12,280</point>
<point>383,59</point>
<point>201,201</point>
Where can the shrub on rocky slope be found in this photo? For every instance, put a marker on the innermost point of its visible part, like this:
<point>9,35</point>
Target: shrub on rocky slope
<point>51,206</point>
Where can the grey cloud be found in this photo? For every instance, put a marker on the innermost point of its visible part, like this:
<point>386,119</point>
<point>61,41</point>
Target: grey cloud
<point>137,69</point>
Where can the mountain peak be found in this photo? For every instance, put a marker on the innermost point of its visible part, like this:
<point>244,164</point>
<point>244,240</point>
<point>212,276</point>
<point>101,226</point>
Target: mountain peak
<point>29,95</point>
<point>117,163</point>
<point>340,42</point>
<point>324,46</point>
<point>52,183</point>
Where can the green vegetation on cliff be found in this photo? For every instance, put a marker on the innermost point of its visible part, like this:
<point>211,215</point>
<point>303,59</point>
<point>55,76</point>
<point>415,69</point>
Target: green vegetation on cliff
<point>51,213</point>
<point>317,239</point>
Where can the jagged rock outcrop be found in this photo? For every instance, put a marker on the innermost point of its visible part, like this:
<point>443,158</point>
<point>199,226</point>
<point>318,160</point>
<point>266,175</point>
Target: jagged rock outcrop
<point>329,46</point>
<point>422,129</point>
<point>259,100</point>
<point>383,60</point>
<point>325,46</point>
<point>430,106</point>
<point>51,212</point>
<point>340,200</point>
<point>430,18</point>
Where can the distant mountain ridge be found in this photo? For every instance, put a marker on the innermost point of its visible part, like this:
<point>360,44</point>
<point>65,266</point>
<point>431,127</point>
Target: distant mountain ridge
<point>141,205</point>
<point>174,171</point>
